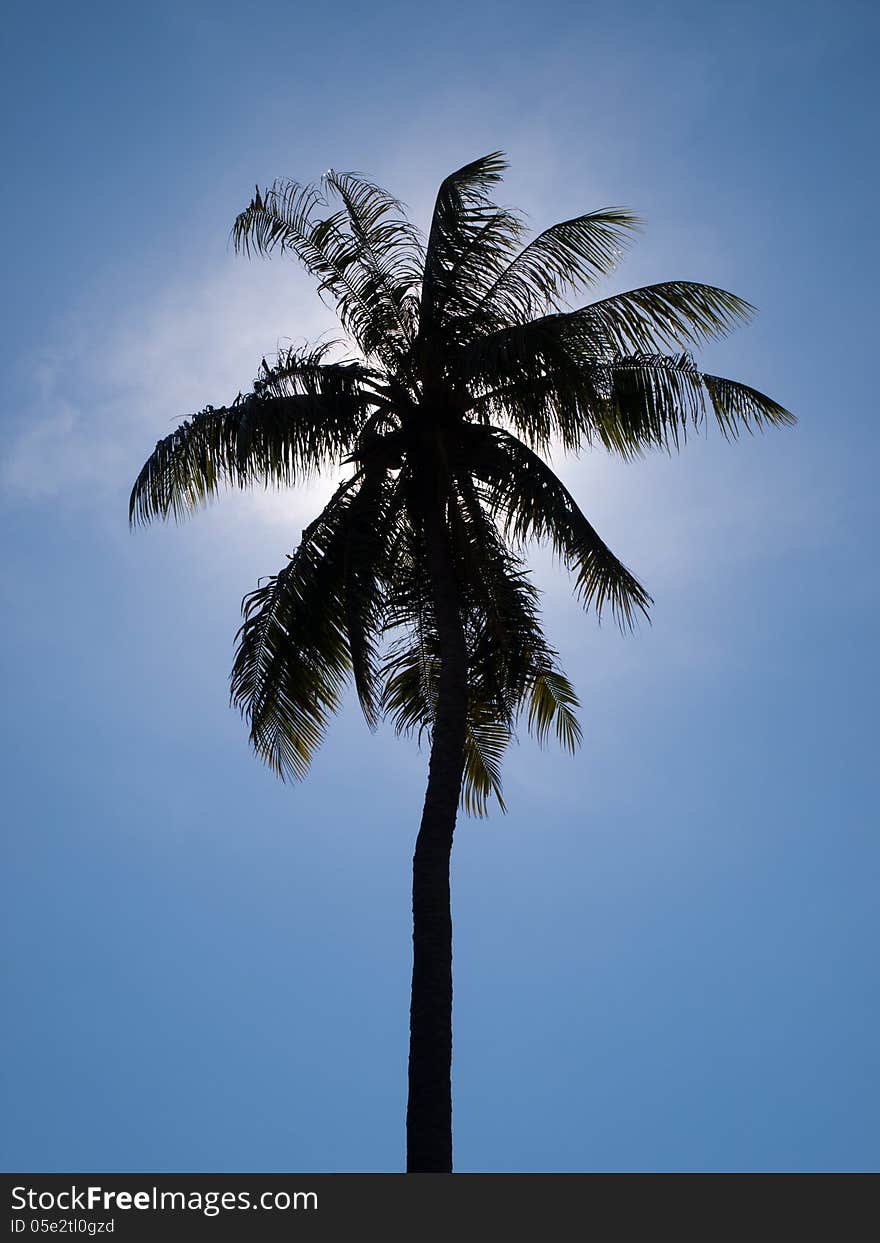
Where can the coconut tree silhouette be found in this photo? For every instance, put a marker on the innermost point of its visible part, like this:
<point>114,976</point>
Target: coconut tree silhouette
<point>464,364</point>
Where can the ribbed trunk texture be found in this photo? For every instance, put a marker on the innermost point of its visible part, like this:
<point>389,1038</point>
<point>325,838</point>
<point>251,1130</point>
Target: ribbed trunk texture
<point>429,1108</point>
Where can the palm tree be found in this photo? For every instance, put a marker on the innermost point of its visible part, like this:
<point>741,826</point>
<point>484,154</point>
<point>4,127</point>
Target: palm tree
<point>465,363</point>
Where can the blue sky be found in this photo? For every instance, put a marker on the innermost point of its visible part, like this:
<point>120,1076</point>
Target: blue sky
<point>665,955</point>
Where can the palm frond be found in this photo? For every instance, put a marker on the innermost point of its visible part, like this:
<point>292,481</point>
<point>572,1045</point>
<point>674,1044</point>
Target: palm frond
<point>512,669</point>
<point>342,256</point>
<point>390,249</point>
<point>673,314</point>
<point>552,377</point>
<point>654,400</point>
<point>310,370</point>
<point>561,401</point>
<point>566,257</point>
<point>646,320</point>
<point>738,407</point>
<point>471,241</point>
<point>293,658</point>
<point>301,416</point>
<point>534,504</point>
<point>279,218</point>
<point>552,704</point>
<point>485,743</point>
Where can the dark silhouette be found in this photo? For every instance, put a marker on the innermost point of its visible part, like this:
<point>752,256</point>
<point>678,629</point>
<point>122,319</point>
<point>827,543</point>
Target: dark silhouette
<point>464,367</point>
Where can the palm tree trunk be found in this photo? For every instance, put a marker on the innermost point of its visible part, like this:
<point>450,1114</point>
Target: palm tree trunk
<point>429,1108</point>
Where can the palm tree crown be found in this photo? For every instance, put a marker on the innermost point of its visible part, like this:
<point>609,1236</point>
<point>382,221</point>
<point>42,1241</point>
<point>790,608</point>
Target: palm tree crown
<point>465,363</point>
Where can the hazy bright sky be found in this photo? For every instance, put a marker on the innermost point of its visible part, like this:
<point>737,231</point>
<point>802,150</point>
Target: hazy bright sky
<point>665,955</point>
